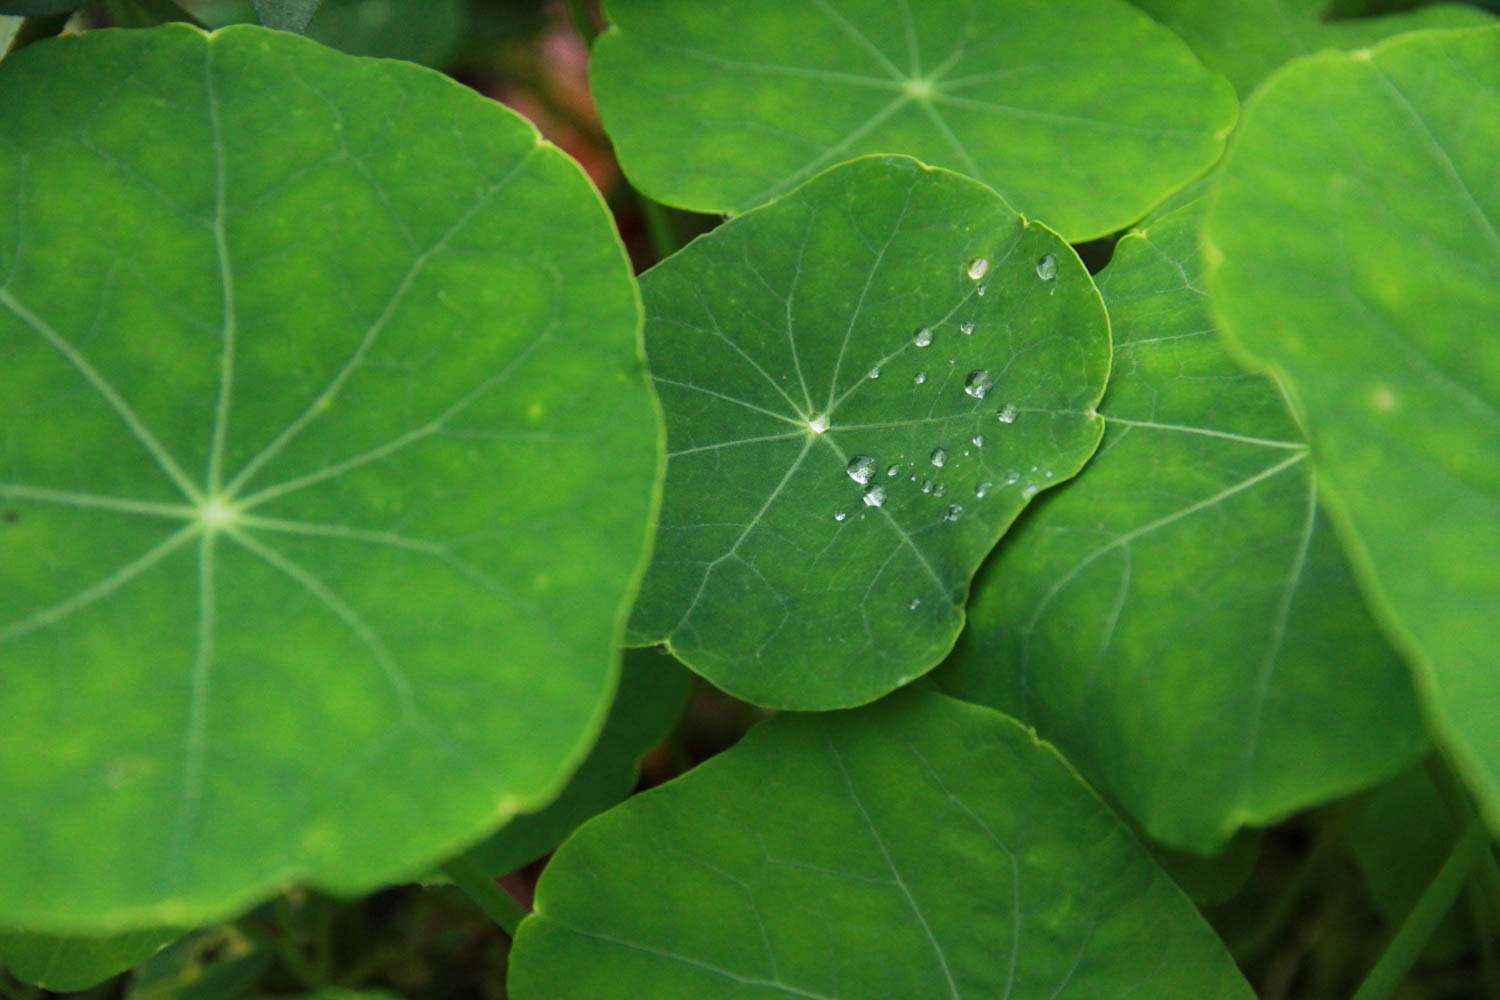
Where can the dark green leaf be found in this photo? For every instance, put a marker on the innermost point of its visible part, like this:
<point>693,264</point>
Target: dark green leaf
<point>36,8</point>
<point>67,964</point>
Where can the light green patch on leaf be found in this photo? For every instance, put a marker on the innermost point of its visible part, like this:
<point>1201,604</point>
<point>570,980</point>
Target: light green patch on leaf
<point>325,454</point>
<point>1247,39</point>
<point>918,848</point>
<point>64,965</point>
<point>1357,229</point>
<point>653,689</point>
<point>286,15</point>
<point>864,383</point>
<point>1180,620</point>
<point>1082,115</point>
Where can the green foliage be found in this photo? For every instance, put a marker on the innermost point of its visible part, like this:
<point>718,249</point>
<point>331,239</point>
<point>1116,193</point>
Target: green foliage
<point>288,15</point>
<point>67,964</point>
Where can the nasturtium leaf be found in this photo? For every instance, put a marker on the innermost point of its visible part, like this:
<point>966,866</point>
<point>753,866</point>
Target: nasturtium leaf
<point>62,964</point>
<point>917,848</point>
<point>653,689</point>
<point>1357,232</point>
<point>287,15</point>
<point>864,383</point>
<point>326,464</point>
<point>1247,39</point>
<point>1081,114</point>
<point>1180,619</point>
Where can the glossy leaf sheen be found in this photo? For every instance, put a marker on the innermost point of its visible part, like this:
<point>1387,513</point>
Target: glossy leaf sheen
<point>918,848</point>
<point>1358,219</point>
<point>1082,115</point>
<point>776,575</point>
<point>1180,619</point>
<point>286,436</point>
<point>68,964</point>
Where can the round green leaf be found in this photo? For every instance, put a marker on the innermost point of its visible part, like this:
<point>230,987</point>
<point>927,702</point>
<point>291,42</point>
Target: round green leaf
<point>1247,39</point>
<point>1083,114</point>
<point>864,383</point>
<point>918,848</point>
<point>1358,224</point>
<point>1180,619</point>
<point>67,964</point>
<point>326,463</point>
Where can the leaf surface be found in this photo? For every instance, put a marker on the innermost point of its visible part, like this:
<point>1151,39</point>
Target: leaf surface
<point>1082,115</point>
<point>63,965</point>
<point>917,848</point>
<point>286,15</point>
<point>852,421</point>
<point>1180,619</point>
<point>326,463</point>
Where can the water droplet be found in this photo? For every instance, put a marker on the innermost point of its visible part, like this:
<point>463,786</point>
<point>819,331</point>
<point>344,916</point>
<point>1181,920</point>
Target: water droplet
<point>938,489</point>
<point>861,468</point>
<point>1030,490</point>
<point>922,337</point>
<point>927,486</point>
<point>981,289</point>
<point>916,602</point>
<point>979,383</point>
<point>874,496</point>
<point>977,267</point>
<point>875,372</point>
<point>919,377</point>
<point>818,424</point>
<point>1046,268</point>
<point>953,513</point>
<point>978,440</point>
<point>939,457</point>
<point>1012,477</point>
<point>966,327</point>
<point>840,516</point>
<point>1048,473</point>
<point>1007,414</point>
<point>980,489</point>
<point>893,470</point>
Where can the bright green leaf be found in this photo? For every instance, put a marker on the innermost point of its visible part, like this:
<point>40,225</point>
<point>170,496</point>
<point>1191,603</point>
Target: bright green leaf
<point>918,848</point>
<point>324,456</point>
<point>1181,620</point>
<point>67,964</point>
<point>652,690</point>
<point>286,15</point>
<point>1358,219</point>
<point>1081,114</point>
<point>864,383</point>
<point>1247,39</point>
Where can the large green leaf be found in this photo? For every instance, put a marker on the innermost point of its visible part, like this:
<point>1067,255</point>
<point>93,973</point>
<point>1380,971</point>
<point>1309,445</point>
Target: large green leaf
<point>919,848</point>
<point>1247,39</point>
<point>1358,222</point>
<point>66,964</point>
<point>864,383</point>
<point>1082,114</point>
<point>653,688</point>
<point>1180,620</point>
<point>326,463</point>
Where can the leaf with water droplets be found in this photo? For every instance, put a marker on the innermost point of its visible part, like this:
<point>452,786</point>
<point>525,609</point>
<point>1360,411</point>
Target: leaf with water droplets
<point>327,457</point>
<point>1184,598</point>
<point>917,848</point>
<point>1358,220</point>
<point>779,314</point>
<point>711,109</point>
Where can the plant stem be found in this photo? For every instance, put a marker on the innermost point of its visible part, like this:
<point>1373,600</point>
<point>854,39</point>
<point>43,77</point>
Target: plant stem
<point>291,956</point>
<point>1436,900</point>
<point>1269,929</point>
<point>486,892</point>
<point>584,22</point>
<point>1484,933</point>
<point>1451,788</point>
<point>659,225</point>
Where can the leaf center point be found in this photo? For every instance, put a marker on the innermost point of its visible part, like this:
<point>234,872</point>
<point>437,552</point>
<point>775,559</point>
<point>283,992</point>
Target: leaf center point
<point>217,513</point>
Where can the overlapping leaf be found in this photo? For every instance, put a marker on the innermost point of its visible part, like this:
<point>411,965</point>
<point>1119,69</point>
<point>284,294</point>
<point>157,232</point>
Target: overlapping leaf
<point>1358,222</point>
<point>1180,619</point>
<point>325,466</point>
<point>918,848</point>
<point>864,383</point>
<point>1082,115</point>
<point>64,965</point>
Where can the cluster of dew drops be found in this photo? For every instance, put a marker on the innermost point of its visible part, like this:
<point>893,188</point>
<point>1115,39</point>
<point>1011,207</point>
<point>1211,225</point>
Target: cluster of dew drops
<point>864,470</point>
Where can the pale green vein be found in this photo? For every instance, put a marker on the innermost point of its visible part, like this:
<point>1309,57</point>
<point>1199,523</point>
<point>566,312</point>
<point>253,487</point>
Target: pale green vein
<point>728,399</point>
<point>195,736</point>
<point>731,444</point>
<point>860,39</point>
<point>95,501</point>
<point>1206,432</point>
<point>229,318</point>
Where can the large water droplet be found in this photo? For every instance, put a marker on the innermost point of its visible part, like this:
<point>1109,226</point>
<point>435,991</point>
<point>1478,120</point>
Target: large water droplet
<point>980,489</point>
<point>874,496</point>
<point>1008,413</point>
<point>919,377</point>
<point>875,372</point>
<point>966,327</point>
<point>839,516</point>
<point>893,470</point>
<point>818,424</point>
<point>939,457</point>
<point>922,337</point>
<point>977,267</point>
<point>978,440</point>
<point>953,513</point>
<point>1046,268</point>
<point>979,383</point>
<point>861,468</point>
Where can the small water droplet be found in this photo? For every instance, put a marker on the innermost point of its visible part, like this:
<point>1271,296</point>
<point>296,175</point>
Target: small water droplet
<point>839,516</point>
<point>1046,268</point>
<point>893,470</point>
<point>922,337</point>
<point>861,468</point>
<point>874,496</point>
<point>978,440</point>
<point>939,457</point>
<point>979,383</point>
<point>977,267</point>
<point>953,513</point>
<point>818,424</point>
<point>916,602</point>
<point>966,327</point>
<point>981,289</point>
<point>919,377</point>
<point>1030,490</point>
<point>1012,477</point>
<point>875,372</point>
<point>980,489</point>
<point>938,489</point>
<point>1007,414</point>
<point>1048,473</point>
<point>927,486</point>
